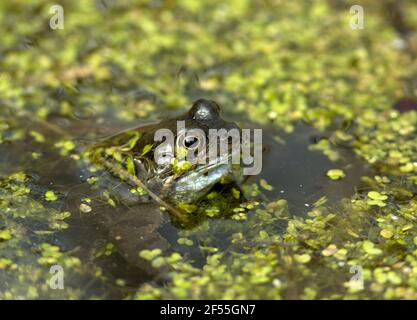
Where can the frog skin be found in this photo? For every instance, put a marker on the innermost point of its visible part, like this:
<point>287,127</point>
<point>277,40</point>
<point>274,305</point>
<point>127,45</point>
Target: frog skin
<point>134,226</point>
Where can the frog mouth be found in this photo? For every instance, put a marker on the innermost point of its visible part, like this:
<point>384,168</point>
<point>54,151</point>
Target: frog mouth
<point>198,181</point>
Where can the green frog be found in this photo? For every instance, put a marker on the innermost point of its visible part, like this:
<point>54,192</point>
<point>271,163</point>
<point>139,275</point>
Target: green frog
<point>151,192</point>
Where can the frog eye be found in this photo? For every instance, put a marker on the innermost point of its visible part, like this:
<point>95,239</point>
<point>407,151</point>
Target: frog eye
<point>191,140</point>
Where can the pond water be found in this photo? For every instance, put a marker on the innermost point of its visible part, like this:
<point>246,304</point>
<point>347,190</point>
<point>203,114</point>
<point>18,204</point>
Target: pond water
<point>292,170</point>
<point>338,189</point>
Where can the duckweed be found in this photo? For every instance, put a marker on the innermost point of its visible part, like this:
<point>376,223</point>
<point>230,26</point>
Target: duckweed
<point>336,174</point>
<point>50,196</point>
<point>85,208</point>
<point>5,234</point>
<point>273,63</point>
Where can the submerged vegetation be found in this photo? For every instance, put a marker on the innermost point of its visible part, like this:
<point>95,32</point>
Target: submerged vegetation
<point>273,63</point>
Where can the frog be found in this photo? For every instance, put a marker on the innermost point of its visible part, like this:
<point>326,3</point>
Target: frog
<point>160,191</point>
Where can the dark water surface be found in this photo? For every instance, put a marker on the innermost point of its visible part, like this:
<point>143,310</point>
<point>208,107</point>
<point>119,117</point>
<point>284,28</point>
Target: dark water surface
<point>296,174</point>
